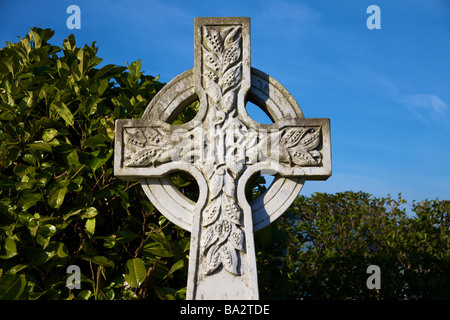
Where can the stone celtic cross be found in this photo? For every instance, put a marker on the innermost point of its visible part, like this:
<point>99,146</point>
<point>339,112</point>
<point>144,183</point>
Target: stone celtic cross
<point>222,147</point>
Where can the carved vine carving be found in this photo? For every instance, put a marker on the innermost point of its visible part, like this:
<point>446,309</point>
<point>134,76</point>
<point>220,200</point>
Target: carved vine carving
<point>222,238</point>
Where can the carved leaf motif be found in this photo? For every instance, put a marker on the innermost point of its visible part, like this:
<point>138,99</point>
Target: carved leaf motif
<point>136,136</point>
<point>232,50</point>
<point>231,211</point>
<point>209,237</point>
<point>300,144</point>
<point>231,34</point>
<point>222,72</point>
<point>223,229</point>
<point>213,259</point>
<point>229,258</point>
<point>213,40</point>
<point>143,158</point>
<point>237,238</point>
<point>231,77</point>
<point>211,212</point>
<point>231,55</point>
<point>216,184</point>
<point>292,137</point>
<point>229,187</point>
<point>302,157</point>
<point>211,61</point>
<point>154,137</point>
<point>311,139</point>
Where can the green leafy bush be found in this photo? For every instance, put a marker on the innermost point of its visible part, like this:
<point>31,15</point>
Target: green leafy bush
<point>333,238</point>
<point>60,203</point>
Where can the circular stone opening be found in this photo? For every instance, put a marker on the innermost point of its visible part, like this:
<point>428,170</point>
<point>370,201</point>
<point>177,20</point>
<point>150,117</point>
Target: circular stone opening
<point>186,112</point>
<point>257,113</point>
<point>186,184</point>
<point>257,185</point>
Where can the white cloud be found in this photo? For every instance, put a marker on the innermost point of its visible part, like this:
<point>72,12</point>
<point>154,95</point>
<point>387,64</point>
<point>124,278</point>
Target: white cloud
<point>426,107</point>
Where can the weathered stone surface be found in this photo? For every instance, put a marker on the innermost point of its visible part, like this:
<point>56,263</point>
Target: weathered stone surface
<point>222,147</point>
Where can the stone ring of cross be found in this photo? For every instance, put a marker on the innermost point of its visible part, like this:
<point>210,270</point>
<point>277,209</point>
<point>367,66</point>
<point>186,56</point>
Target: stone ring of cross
<point>266,93</point>
<point>222,147</point>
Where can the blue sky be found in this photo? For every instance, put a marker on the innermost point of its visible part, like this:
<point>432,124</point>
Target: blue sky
<point>386,91</point>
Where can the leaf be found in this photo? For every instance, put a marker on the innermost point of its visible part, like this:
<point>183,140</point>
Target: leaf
<point>211,212</point>
<point>56,196</point>
<point>208,238</point>
<point>9,249</point>
<point>44,233</point>
<point>100,260</point>
<point>135,273</point>
<point>222,228</point>
<point>312,138</point>
<point>229,259</point>
<point>302,157</point>
<point>12,287</point>
<point>212,89</point>
<point>233,35</point>
<point>165,293</point>
<point>72,160</point>
<point>158,249</point>
<point>292,137</point>
<point>231,211</point>
<point>41,146</point>
<point>84,295</point>
<point>6,116</point>
<point>177,266</point>
<point>49,134</point>
<point>213,260</point>
<point>90,213</point>
<point>231,77</point>
<point>103,86</point>
<point>144,157</point>
<point>36,38</point>
<point>215,184</point>
<point>90,227</point>
<point>81,65</point>
<point>119,238</point>
<point>62,110</point>
<point>232,50</point>
<point>29,200</point>
<point>185,244</point>
<point>228,101</point>
<point>213,41</point>
<point>230,186</point>
<point>211,61</point>
<point>237,238</point>
<point>30,159</point>
<point>110,70</point>
<point>135,68</point>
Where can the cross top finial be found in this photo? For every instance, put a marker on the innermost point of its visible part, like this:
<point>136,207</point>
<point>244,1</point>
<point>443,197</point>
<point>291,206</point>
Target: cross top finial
<point>222,147</point>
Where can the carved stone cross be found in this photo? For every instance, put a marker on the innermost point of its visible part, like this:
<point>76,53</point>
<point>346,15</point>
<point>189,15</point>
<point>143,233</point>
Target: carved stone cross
<point>222,147</point>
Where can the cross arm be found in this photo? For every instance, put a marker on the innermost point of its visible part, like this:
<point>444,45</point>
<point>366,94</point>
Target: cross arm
<point>147,149</point>
<point>305,146</point>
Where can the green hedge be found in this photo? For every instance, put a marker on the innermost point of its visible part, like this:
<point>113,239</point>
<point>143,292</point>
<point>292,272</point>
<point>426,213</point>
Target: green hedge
<point>60,204</point>
<point>333,238</point>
